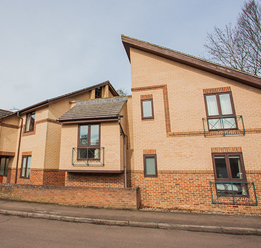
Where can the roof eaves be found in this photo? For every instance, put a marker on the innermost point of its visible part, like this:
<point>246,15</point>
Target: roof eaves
<point>46,102</point>
<point>88,118</point>
<point>75,93</point>
<point>202,64</point>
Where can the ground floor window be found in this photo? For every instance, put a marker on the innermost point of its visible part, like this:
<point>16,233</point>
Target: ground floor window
<point>4,165</point>
<point>26,166</point>
<point>150,165</point>
<point>229,173</point>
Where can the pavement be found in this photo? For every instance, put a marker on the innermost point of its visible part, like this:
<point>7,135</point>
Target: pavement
<point>214,223</point>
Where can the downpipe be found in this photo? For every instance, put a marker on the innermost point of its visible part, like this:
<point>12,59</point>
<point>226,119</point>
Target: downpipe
<point>18,148</point>
<point>124,151</point>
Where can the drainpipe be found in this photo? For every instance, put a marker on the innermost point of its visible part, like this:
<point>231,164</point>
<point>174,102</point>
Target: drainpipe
<point>124,151</point>
<point>19,144</point>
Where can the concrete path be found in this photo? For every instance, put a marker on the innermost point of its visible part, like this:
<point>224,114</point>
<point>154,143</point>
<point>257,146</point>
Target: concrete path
<point>229,224</point>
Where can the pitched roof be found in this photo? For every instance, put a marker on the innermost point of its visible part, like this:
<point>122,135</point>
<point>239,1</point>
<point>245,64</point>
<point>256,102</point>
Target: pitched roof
<point>95,109</point>
<point>74,93</point>
<point>186,59</point>
<point>4,113</point>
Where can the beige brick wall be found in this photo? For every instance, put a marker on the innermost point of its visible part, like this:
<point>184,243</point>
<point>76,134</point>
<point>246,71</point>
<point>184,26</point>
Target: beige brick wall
<point>36,144</point>
<point>187,108</point>
<point>8,135</point>
<point>52,152</point>
<point>110,140</point>
<point>57,109</point>
<point>130,156</point>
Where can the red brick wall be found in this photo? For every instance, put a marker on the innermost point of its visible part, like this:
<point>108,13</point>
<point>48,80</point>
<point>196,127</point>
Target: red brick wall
<point>188,191</point>
<point>119,198</point>
<point>54,177</point>
<point>37,177</point>
<point>94,180</point>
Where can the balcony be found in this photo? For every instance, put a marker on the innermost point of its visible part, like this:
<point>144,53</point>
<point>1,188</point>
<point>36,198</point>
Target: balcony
<point>223,125</point>
<point>236,193</point>
<point>88,156</point>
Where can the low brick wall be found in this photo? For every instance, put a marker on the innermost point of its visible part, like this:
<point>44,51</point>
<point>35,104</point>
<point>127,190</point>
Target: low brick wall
<point>105,197</point>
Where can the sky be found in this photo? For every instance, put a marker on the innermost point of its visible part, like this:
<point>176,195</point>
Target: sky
<point>52,47</point>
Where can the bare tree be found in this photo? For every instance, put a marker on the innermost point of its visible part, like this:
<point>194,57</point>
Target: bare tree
<point>122,92</point>
<point>239,47</point>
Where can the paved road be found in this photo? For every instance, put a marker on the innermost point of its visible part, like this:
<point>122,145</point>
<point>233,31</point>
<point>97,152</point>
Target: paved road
<point>27,232</point>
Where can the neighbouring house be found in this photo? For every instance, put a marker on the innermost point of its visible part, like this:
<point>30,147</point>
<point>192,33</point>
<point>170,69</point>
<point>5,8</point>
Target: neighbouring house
<point>189,136</point>
<point>30,140</point>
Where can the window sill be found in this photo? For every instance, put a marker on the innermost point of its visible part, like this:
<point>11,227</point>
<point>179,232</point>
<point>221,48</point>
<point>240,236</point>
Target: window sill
<point>28,133</point>
<point>147,119</point>
<point>224,133</point>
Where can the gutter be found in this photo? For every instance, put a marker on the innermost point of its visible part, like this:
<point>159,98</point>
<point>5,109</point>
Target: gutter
<point>18,148</point>
<point>124,151</point>
<point>98,118</point>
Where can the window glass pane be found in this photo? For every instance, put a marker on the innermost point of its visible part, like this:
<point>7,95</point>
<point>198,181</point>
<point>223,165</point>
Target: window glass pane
<point>235,166</point>
<point>214,124</point>
<point>93,153</point>
<point>83,135</point>
<point>28,167</point>
<point>221,168</point>
<point>2,166</point>
<point>32,121</point>
<point>23,167</point>
<point>225,104</point>
<point>150,166</point>
<point>6,166</point>
<point>229,123</point>
<point>82,153</point>
<point>212,105</point>
<point>27,128</point>
<point>94,135</point>
<point>147,108</point>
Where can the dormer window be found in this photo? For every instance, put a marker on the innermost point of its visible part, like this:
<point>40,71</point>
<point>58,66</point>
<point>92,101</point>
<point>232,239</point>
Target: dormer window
<point>98,92</point>
<point>30,122</point>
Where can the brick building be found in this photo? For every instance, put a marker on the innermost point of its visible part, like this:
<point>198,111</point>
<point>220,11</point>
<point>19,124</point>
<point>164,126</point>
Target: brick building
<point>189,136</point>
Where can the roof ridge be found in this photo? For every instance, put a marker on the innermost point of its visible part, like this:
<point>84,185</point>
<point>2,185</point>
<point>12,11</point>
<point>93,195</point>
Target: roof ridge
<point>103,100</point>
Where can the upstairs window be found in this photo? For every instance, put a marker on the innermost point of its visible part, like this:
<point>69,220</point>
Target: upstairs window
<point>30,122</point>
<point>89,141</point>
<point>98,92</point>
<point>147,109</point>
<point>220,111</point>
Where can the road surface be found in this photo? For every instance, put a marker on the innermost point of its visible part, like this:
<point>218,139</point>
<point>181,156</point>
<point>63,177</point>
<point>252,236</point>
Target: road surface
<point>26,232</point>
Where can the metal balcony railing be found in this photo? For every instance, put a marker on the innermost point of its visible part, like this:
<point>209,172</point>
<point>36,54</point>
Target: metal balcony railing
<point>88,156</point>
<point>223,125</point>
<point>237,193</point>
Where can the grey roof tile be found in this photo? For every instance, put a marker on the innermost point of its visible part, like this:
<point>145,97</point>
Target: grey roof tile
<point>4,113</point>
<point>96,109</point>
